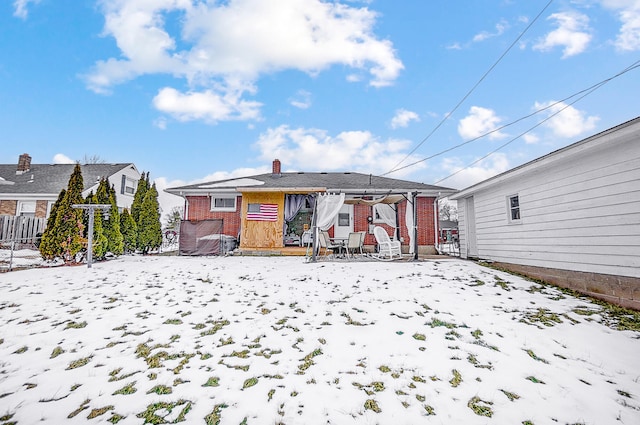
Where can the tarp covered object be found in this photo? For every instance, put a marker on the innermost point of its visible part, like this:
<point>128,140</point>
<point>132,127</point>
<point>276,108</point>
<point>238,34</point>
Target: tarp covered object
<point>203,238</point>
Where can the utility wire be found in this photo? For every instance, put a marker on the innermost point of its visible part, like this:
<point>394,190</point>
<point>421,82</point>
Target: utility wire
<point>585,92</point>
<point>629,68</point>
<point>446,117</point>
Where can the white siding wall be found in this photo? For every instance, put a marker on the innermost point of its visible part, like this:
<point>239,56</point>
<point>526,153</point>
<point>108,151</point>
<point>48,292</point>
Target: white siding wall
<point>579,213</point>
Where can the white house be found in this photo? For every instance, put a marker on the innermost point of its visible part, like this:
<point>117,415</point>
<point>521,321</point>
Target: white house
<point>28,189</point>
<point>571,217</point>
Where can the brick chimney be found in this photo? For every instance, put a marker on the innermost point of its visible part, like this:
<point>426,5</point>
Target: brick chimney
<point>24,163</point>
<point>276,168</point>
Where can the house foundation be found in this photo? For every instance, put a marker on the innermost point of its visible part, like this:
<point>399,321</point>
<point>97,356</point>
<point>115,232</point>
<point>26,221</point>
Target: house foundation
<point>620,290</point>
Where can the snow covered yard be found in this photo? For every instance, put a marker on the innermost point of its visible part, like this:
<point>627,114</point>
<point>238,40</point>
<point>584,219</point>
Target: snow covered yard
<point>241,340</point>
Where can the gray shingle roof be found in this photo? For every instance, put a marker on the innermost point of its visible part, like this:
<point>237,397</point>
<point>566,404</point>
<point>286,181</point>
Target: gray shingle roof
<point>51,178</point>
<point>332,182</point>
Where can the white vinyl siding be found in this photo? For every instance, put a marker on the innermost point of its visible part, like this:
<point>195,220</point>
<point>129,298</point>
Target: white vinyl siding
<point>582,213</point>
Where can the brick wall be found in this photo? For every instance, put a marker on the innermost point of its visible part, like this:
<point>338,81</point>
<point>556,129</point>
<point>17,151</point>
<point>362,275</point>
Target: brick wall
<point>425,222</point>
<point>41,209</point>
<point>8,207</point>
<point>200,209</point>
<point>620,290</point>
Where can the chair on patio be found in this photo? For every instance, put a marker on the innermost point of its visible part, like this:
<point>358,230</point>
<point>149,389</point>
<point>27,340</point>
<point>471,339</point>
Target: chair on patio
<point>387,249</point>
<point>329,247</point>
<point>354,243</point>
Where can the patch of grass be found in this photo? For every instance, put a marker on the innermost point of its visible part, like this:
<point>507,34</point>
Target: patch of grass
<point>535,357</point>
<point>435,322</point>
<point>172,322</point>
<point>480,407</point>
<point>21,350</point>
<point>56,352</point>
<point>79,363</point>
<point>76,325</point>
<point>430,411</point>
<point>115,418</point>
<point>452,335</point>
<point>371,404</point>
<point>214,417</point>
<point>100,411</point>
<point>543,316</point>
<point>217,325</point>
<point>157,412</point>
<point>83,406</point>
<point>624,393</point>
<point>270,394</point>
<point>534,380</point>
<point>248,383</point>
<point>308,361</point>
<point>114,375</point>
<point>214,381</point>
<point>419,337</point>
<point>128,389</point>
<point>457,378</point>
<point>160,390</point>
<point>384,369</point>
<point>511,396</point>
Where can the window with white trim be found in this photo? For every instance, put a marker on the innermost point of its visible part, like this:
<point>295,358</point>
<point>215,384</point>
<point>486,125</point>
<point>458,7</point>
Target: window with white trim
<point>128,186</point>
<point>223,203</point>
<point>27,209</point>
<point>513,207</point>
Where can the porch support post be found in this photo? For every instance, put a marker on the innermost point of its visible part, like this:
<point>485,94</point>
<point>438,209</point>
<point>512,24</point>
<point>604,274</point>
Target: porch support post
<point>415,225</point>
<point>314,229</point>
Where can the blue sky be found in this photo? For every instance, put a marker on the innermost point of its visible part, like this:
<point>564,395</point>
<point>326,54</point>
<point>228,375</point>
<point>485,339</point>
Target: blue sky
<point>195,90</point>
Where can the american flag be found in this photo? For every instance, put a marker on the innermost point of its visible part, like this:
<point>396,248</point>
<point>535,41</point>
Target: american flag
<point>266,212</point>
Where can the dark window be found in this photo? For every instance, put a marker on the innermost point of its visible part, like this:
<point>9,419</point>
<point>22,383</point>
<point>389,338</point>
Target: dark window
<point>514,207</point>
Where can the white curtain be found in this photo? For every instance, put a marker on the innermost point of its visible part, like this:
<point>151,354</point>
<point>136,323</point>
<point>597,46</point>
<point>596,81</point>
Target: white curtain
<point>408,216</point>
<point>327,209</point>
<point>387,213</point>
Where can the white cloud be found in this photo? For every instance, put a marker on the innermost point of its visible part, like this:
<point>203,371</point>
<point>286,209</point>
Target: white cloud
<point>20,8</point>
<point>403,117</point>
<point>500,28</point>
<point>208,105</point>
<point>316,150</point>
<point>302,100</point>
<point>628,12</point>
<point>61,158</point>
<point>469,175</point>
<point>572,34</point>
<point>479,122</point>
<point>530,138</point>
<point>224,46</point>
<point>570,122</point>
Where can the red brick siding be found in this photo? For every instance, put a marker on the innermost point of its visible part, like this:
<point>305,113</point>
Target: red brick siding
<point>426,232</point>
<point>200,209</point>
<point>41,209</point>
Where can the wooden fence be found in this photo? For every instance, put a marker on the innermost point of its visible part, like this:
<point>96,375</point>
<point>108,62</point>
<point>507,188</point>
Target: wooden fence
<point>19,228</point>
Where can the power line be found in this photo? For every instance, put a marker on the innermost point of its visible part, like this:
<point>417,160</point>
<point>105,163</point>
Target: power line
<point>586,92</point>
<point>446,117</point>
<point>592,87</point>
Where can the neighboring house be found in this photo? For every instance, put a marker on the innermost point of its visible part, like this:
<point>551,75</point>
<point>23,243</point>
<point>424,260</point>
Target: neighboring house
<point>31,189</point>
<point>571,217</point>
<point>448,231</point>
<point>255,208</point>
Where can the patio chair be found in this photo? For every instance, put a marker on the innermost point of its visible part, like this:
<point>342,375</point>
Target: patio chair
<point>354,243</point>
<point>325,243</point>
<point>387,249</point>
